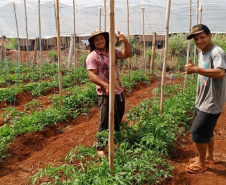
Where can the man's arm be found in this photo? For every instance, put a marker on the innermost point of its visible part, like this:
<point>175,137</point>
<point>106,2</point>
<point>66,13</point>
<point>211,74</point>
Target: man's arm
<point>126,52</point>
<point>217,73</point>
<point>97,80</point>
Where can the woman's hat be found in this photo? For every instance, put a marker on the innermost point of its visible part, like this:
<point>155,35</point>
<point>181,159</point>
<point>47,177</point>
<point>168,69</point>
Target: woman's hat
<point>98,32</point>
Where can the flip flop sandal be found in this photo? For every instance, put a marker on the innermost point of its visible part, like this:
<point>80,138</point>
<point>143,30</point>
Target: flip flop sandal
<point>192,160</point>
<point>194,169</point>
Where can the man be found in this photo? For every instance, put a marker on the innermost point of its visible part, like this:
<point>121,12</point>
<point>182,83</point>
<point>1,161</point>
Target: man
<point>97,64</point>
<point>210,96</point>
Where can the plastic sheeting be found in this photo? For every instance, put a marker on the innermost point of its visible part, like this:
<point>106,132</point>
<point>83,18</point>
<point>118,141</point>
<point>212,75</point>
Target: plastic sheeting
<point>87,17</point>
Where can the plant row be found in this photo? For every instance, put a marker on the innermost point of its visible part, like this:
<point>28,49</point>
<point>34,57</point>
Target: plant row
<point>75,102</point>
<point>143,152</point>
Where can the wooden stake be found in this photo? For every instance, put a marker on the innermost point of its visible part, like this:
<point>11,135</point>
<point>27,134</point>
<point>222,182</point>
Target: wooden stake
<point>27,43</point>
<point>70,52</point>
<point>35,52</point>
<point>152,52</point>
<point>40,38</point>
<point>3,48</point>
<point>14,6</point>
<point>129,59</point>
<point>197,22</point>
<point>75,51</point>
<point>201,9</point>
<point>100,18</point>
<point>145,64</point>
<point>58,47</point>
<point>105,16</point>
<point>112,84</point>
<point>188,49</point>
<point>165,56</point>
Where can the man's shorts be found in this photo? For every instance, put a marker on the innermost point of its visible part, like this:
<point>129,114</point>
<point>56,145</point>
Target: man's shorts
<point>203,126</point>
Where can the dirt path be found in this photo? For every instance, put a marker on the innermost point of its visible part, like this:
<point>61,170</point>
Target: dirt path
<point>216,174</point>
<point>30,152</point>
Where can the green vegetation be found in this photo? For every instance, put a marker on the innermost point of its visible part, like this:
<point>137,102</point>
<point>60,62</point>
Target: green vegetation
<point>141,157</point>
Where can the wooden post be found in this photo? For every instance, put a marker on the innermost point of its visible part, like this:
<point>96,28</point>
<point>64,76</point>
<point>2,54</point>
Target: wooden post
<point>188,49</point>
<point>129,60</point>
<point>3,48</point>
<point>35,52</point>
<point>165,56</point>
<point>152,53</point>
<point>14,6</point>
<point>112,84</point>
<point>100,18</point>
<point>145,67</point>
<point>40,38</point>
<point>201,9</point>
<point>58,47</point>
<point>197,22</point>
<point>105,16</point>
<point>27,43</point>
<point>75,51</point>
<point>70,52</point>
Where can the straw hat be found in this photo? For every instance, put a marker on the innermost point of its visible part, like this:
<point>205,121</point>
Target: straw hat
<point>98,32</point>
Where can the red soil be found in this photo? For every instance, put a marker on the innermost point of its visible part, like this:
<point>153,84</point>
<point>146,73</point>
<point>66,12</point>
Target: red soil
<point>30,152</point>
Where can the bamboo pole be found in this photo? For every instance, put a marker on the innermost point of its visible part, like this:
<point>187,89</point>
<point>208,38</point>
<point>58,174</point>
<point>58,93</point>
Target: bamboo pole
<point>188,49</point>
<point>105,16</point>
<point>14,6</point>
<point>27,44</point>
<point>201,9</point>
<point>129,60</point>
<point>197,22</point>
<point>70,52</point>
<point>100,18</point>
<point>58,47</point>
<point>3,48</point>
<point>35,52</point>
<point>152,52</point>
<point>40,37</point>
<point>165,55</point>
<point>112,84</point>
<point>75,51</point>
<point>145,64</point>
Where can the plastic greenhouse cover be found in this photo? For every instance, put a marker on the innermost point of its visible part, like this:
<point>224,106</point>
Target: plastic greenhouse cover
<point>87,17</point>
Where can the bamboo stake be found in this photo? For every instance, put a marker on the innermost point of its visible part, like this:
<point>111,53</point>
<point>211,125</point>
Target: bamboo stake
<point>14,6</point>
<point>58,47</point>
<point>75,51</point>
<point>3,48</point>
<point>129,60</point>
<point>201,9</point>
<point>100,18</point>
<point>105,16</point>
<point>54,6</point>
<point>70,52</point>
<point>112,84</point>
<point>188,49</point>
<point>35,52</point>
<point>152,53</point>
<point>27,44</point>
<point>165,55</point>
<point>197,22</point>
<point>145,65</point>
<point>40,38</point>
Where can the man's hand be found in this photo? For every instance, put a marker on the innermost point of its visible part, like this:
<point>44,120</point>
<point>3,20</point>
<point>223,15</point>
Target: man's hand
<point>190,68</point>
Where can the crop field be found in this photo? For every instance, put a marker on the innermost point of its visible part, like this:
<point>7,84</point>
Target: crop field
<point>49,112</point>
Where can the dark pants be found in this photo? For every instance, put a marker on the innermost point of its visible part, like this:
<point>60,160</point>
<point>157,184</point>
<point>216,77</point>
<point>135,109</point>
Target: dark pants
<point>203,126</point>
<point>103,104</point>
